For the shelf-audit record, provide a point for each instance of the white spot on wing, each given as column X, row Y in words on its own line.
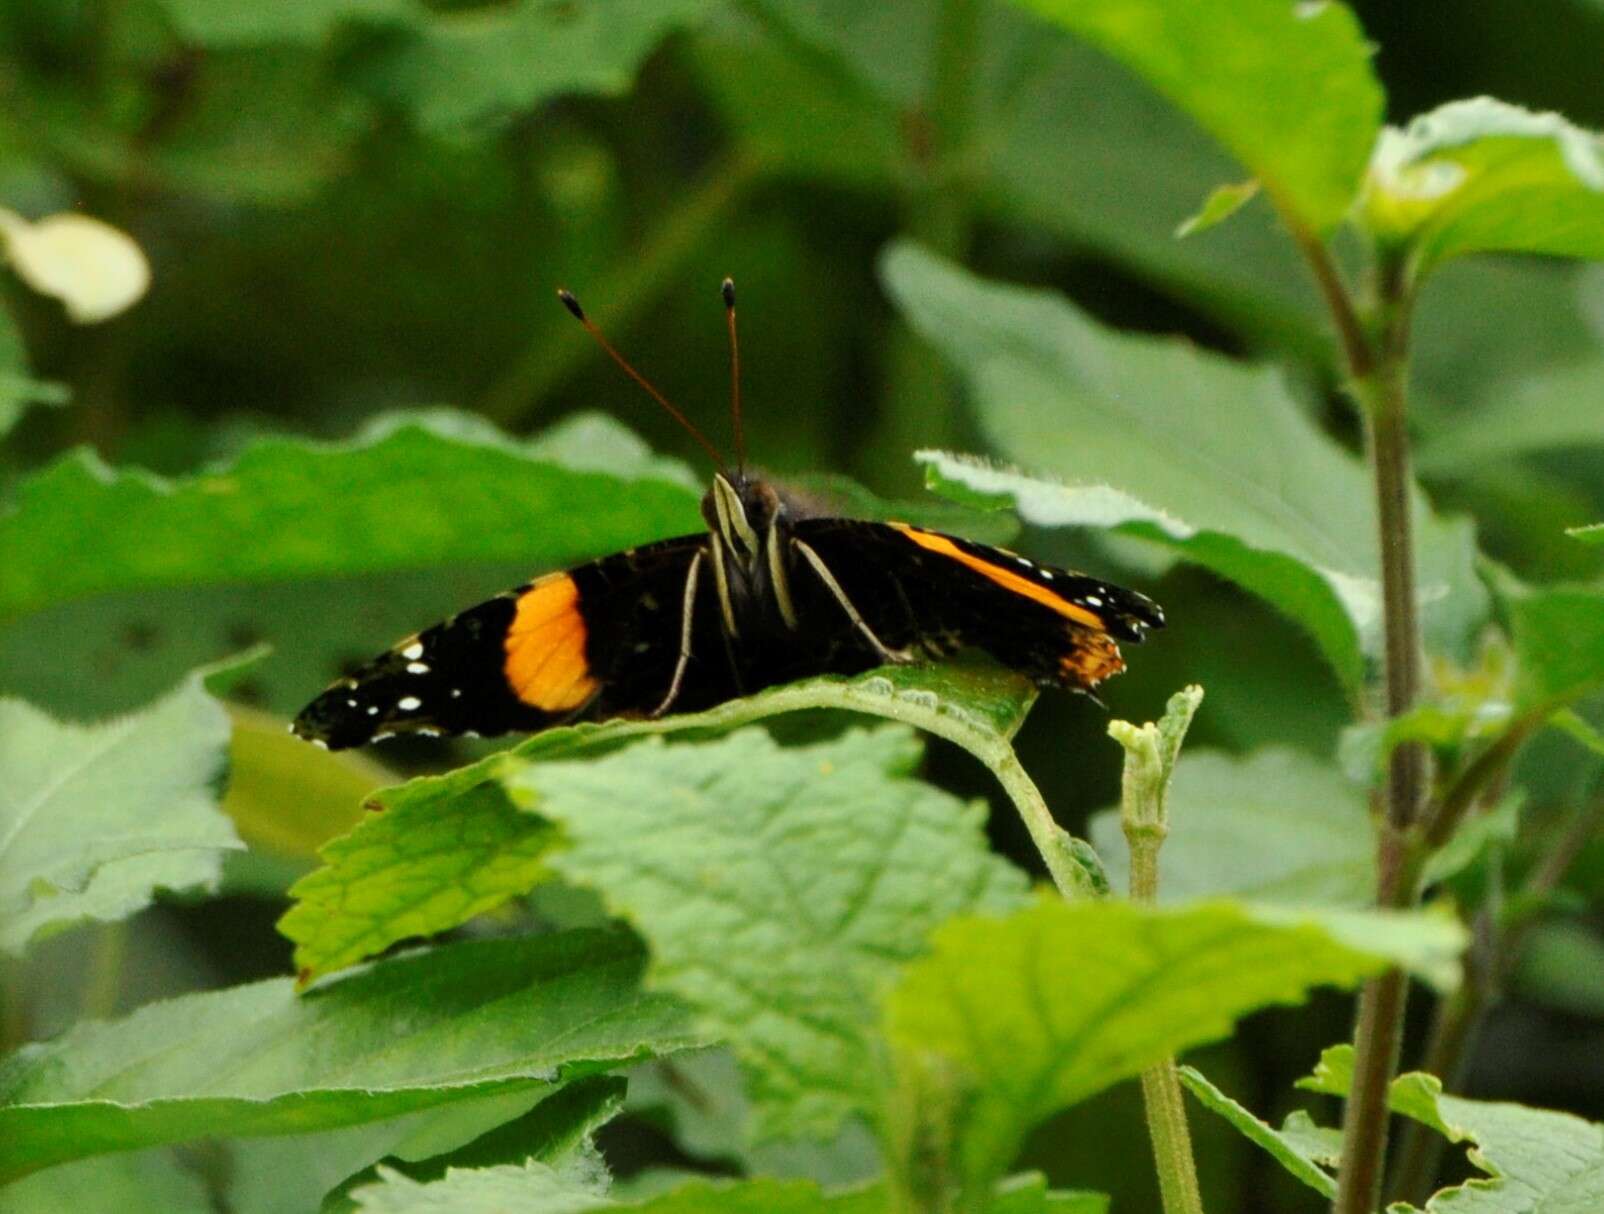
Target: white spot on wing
column 417, row 668
column 1092, row 600
column 409, row 703
column 413, row 651
column 373, row 710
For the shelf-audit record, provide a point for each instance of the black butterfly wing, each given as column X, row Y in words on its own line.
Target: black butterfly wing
column 931, row 593
column 601, row 639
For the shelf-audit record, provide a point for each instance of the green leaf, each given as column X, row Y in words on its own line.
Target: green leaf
column 1562, row 966
column 459, row 72
column 441, row 849
column 539, row 1189
column 1235, row 476
column 1483, row 176
column 701, row 1102
column 531, row 1188
column 556, row 1131
column 1541, row 1162
column 1060, row 139
column 414, row 1032
column 140, row 1182
column 1275, row 825
column 411, row 491
column 94, row 819
column 218, row 24
column 293, row 1173
column 1012, row 1019
column 1224, row 202
column 468, row 72
column 1288, row 89
column 1558, row 633
column 730, row 854
column 288, row 799
column 1552, row 409
column 1295, row 1152
column 418, row 865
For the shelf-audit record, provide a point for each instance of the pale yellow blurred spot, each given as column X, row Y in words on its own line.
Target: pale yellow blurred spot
column 95, row 270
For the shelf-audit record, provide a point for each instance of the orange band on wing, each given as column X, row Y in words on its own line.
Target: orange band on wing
column 546, row 665
column 1006, row 578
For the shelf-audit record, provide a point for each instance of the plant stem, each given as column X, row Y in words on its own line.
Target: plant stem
column 1161, row 1089
column 14, row 1017
column 1377, row 366
column 1069, row 872
column 1487, row 770
column 1150, row 754
column 103, row 978
column 1378, row 1037
column 516, row 395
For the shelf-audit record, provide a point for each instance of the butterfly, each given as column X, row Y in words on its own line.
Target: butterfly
column 773, row 591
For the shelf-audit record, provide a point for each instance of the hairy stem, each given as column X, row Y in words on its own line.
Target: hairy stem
column 1150, row 754
column 1068, row 869
column 1377, row 1041
column 1378, row 368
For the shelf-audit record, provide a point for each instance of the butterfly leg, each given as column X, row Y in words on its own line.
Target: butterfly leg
column 894, row 656
column 688, row 617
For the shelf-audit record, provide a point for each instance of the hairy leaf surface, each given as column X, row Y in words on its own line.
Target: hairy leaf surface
column 777, row 888
column 414, row 1032
column 411, row 491
column 94, row 819
column 441, row 849
column 1011, row 1019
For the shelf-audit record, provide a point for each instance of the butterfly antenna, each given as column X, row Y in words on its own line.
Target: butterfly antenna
column 578, row 312
column 727, row 289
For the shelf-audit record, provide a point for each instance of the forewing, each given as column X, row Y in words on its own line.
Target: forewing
column 924, row 589
column 599, row 639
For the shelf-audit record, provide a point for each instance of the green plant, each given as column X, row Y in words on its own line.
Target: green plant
column 770, row 947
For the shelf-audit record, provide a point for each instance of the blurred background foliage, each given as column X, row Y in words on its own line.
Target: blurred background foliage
column 354, row 206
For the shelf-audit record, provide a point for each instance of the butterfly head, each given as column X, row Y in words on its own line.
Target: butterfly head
column 742, row 511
